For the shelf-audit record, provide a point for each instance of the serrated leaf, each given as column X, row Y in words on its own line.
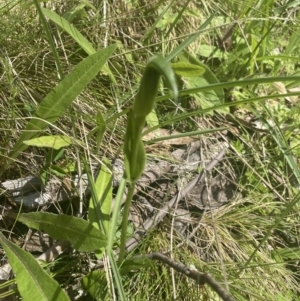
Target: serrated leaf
column 56, row 103
column 83, row 235
column 55, row 141
column 187, row 69
column 33, row 282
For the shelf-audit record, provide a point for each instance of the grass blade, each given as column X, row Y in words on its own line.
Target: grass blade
column 240, row 83
column 103, row 190
column 150, row 31
column 77, row 36
column 70, row 29
column 50, row 39
column 115, row 215
column 186, row 134
column 110, row 254
column 189, row 40
column 178, row 18
column 215, row 107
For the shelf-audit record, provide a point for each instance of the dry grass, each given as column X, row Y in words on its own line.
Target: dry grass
column 222, row 240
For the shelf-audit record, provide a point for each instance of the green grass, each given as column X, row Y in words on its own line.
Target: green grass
column 251, row 244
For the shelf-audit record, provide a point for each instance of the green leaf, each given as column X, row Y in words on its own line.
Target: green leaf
column 54, row 155
column 151, row 30
column 103, row 191
column 101, row 127
column 55, row 141
column 168, row 18
column 57, row 170
column 152, row 119
column 116, row 215
column 206, row 98
column 33, row 282
column 77, row 36
column 96, row 284
column 70, row 29
column 55, row 104
column 208, row 74
column 135, row 264
column 189, row 39
column 68, row 167
column 210, row 51
column 187, row 69
column 83, row 235
column 110, row 253
column 76, row 13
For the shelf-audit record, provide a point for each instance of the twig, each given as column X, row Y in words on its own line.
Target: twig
column 200, row 278
column 52, row 253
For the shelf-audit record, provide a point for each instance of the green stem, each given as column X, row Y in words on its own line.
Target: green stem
column 137, row 124
column 125, row 220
